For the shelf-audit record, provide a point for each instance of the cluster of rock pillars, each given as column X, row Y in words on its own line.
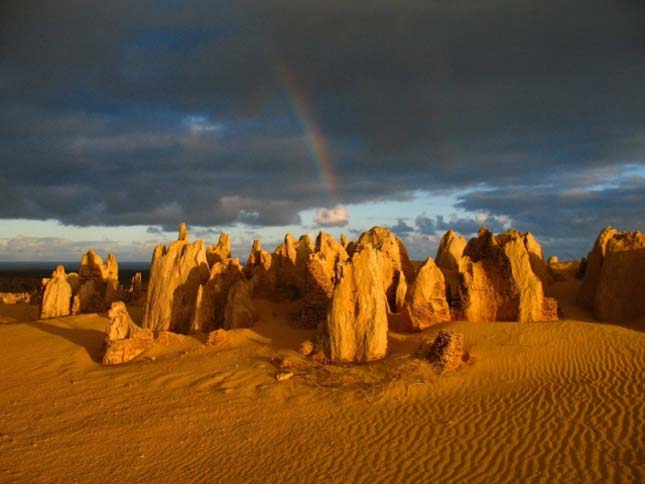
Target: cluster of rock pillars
column 352, row 291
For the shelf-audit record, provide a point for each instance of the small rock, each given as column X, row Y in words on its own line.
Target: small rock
column 217, row 337
column 284, row 375
column 282, row 362
column 306, row 348
column 168, row 338
column 319, row 357
column 124, row 339
column 447, row 352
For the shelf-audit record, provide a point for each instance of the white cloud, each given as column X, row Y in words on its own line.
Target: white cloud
column 332, row 217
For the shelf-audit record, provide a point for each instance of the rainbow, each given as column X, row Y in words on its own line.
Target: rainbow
column 316, row 141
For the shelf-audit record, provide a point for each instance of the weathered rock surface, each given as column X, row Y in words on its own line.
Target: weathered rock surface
column 98, row 283
column 320, row 278
column 92, row 267
column 183, row 232
column 550, row 309
column 401, row 292
column 168, row 338
column 176, row 273
column 425, row 303
column 240, row 311
column 344, row 241
column 57, row 295
column 289, row 266
column 212, row 296
column 76, row 304
column 306, row 348
column 217, row 337
column 357, row 317
column 536, row 257
column 620, row 287
column 124, row 339
column 120, row 325
column 134, row 291
column 451, row 249
column 74, row 280
column 593, row 267
column 219, row 252
column 449, row 254
column 497, row 282
column 258, row 268
column 447, row 352
column 552, row 260
column 395, row 260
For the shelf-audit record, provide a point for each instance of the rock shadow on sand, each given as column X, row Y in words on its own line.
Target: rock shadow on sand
column 90, row 339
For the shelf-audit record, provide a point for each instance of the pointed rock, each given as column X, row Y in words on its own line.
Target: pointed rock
column 536, row 255
column 593, row 267
column 357, row 317
column 124, row 339
column 183, row 232
column 57, row 295
column 289, row 265
column 120, row 325
column 426, row 304
column 212, row 296
column 176, row 272
column 449, row 255
column 258, row 269
column 134, row 291
column 98, row 283
column 395, row 259
column 92, row 267
column 620, row 289
column 401, row 292
column 497, row 282
column 320, row 277
column 344, row 241
column 219, row 252
column 451, row 249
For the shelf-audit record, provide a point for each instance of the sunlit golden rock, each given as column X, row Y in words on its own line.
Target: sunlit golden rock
column 176, row 273
column 57, row 295
column 357, row 317
column 425, row 302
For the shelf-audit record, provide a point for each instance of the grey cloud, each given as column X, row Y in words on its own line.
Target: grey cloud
column 464, row 226
column 566, row 218
column 98, row 101
column 401, row 228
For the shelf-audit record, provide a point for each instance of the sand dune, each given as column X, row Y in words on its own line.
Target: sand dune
column 538, row 402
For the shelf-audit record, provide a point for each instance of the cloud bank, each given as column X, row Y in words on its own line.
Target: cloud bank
column 216, row 112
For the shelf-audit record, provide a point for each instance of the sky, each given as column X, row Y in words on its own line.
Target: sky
column 121, row 119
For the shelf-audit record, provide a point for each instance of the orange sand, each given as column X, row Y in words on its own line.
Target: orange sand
column 539, row 402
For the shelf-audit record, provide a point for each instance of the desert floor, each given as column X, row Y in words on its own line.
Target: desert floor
column 539, row 402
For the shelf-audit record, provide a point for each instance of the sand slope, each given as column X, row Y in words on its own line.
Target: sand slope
column 541, row 402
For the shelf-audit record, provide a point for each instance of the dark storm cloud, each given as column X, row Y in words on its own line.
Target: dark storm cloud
column 401, row 228
column 465, row 226
column 148, row 113
column 570, row 218
column 573, row 210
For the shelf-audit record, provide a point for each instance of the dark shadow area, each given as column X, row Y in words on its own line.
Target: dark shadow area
column 184, row 297
column 90, row 339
